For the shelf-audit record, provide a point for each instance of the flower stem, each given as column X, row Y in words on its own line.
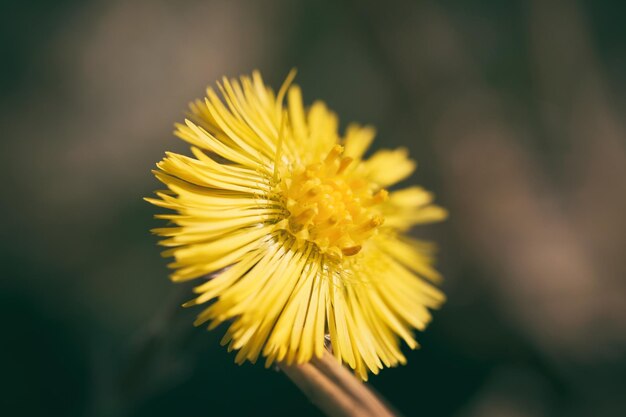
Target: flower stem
column 334, row 390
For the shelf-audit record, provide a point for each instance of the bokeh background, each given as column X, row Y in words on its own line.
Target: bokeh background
column 513, row 109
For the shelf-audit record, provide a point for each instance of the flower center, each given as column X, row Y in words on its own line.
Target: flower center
column 330, row 207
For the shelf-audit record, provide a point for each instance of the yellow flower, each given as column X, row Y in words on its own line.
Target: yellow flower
column 300, row 239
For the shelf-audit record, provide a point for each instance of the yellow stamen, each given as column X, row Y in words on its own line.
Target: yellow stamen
column 329, row 208
column 344, row 163
column 333, row 154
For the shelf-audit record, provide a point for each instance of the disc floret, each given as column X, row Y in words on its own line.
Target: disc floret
column 330, row 206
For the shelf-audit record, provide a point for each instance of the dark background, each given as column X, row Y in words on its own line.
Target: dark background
column 513, row 109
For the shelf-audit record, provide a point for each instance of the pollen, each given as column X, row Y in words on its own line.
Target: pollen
column 332, row 207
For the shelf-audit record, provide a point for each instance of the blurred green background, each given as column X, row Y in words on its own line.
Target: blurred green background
column 513, row 109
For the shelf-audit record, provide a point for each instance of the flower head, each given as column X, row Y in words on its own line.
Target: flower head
column 301, row 239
